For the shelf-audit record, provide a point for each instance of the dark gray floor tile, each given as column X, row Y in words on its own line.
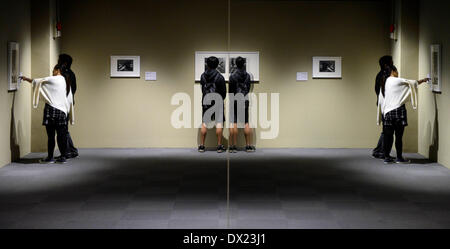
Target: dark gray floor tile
column 105, row 205
column 150, row 205
column 142, row 224
column 262, row 223
column 308, row 214
column 58, row 206
column 146, row 215
column 313, row 224
column 178, row 188
column 190, row 223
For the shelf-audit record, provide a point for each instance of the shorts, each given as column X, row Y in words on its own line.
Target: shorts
column 206, row 120
column 234, row 113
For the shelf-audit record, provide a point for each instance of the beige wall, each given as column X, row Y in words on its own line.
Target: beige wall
column 409, row 64
column 396, row 44
column 44, row 56
column 405, row 55
column 317, row 113
column 434, row 131
column 135, row 113
column 15, row 107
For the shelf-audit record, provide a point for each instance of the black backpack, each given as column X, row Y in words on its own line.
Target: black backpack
column 243, row 87
column 210, row 87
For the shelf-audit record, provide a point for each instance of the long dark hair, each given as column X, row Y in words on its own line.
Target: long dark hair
column 386, row 73
column 65, row 73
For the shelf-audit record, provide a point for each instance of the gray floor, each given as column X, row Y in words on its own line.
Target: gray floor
column 180, row 188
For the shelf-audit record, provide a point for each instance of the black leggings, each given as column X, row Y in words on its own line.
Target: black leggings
column 61, row 130
column 389, row 131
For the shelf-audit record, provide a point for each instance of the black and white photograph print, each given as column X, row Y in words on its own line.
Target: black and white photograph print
column 233, row 66
column 221, row 67
column 327, row 66
column 125, row 65
column 435, row 63
column 227, row 63
column 13, row 66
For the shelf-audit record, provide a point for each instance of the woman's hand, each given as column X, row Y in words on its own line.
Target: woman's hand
column 424, row 80
column 26, row 79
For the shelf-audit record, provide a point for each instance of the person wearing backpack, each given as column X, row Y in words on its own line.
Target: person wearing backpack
column 66, row 61
column 213, row 90
column 385, row 62
column 239, row 87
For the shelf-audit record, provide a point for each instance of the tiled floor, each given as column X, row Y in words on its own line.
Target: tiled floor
column 180, row 188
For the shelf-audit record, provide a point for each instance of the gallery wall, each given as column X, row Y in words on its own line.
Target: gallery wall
column 15, row 107
column 44, row 56
column 115, row 112
column 434, row 117
column 404, row 49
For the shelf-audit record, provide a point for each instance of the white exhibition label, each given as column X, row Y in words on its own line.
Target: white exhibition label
column 150, row 76
column 302, row 76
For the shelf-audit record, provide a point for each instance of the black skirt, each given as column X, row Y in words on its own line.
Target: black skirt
column 53, row 116
column 396, row 117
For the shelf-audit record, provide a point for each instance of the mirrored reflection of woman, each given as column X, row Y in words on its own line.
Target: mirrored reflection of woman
column 395, row 92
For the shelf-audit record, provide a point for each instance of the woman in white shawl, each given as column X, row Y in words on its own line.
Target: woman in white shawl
column 58, row 105
column 395, row 92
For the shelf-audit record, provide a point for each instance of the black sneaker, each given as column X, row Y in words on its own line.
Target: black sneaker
column 231, row 149
column 47, row 161
column 402, row 161
column 72, row 155
column 249, row 148
column 60, row 157
column 378, row 156
column 235, row 149
column 391, row 157
column 201, row 148
column 220, row 149
column 388, row 160
column 61, row 160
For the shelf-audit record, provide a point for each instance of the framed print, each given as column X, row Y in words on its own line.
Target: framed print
column 125, row 67
column 13, row 66
column 436, row 80
column 227, row 63
column 327, row 67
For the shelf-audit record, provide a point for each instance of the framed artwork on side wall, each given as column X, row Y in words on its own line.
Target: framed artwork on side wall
column 436, row 80
column 13, row 66
column 227, row 63
column 327, row 67
column 125, row 66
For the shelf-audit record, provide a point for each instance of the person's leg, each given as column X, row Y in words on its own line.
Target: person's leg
column 248, row 134
column 70, row 146
column 378, row 152
column 233, row 134
column 203, row 132
column 61, row 131
column 236, row 131
column 219, row 132
column 399, row 130
column 388, row 141
column 51, row 131
column 233, row 124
